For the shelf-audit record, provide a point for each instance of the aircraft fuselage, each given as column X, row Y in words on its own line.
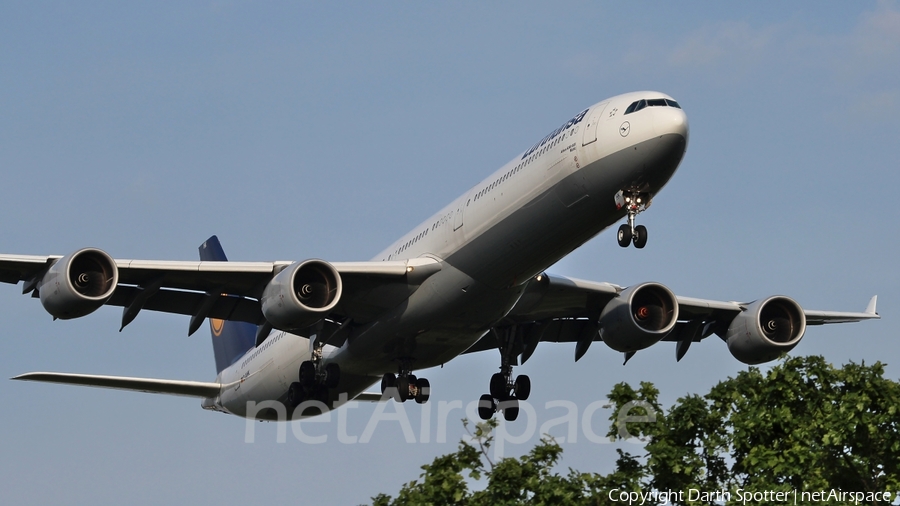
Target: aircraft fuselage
column 491, row 242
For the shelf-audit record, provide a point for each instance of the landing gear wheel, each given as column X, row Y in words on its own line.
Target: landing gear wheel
column 499, row 388
column 510, row 410
column 295, row 394
column 624, row 236
column 640, row 236
column 402, row 388
column 332, row 375
column 388, row 381
column 522, row 387
column 321, row 395
column 424, row 390
column 486, row 407
column 307, row 374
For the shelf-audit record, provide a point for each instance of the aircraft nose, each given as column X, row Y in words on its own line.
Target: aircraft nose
column 670, row 120
column 671, row 128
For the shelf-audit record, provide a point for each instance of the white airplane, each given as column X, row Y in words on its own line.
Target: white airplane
column 304, row 335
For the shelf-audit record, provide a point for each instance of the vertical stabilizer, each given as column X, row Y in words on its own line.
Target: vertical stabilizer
column 230, row 339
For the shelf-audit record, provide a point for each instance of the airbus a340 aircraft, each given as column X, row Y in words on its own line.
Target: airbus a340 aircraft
column 469, row 278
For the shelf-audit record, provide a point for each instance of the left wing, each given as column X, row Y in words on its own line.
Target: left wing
column 561, row 309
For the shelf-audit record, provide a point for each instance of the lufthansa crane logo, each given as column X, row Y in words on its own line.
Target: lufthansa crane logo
column 217, row 326
column 624, row 129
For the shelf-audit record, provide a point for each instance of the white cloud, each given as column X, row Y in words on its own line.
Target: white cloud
column 877, row 35
column 723, row 42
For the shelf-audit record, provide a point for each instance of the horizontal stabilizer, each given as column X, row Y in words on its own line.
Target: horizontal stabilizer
column 149, row 385
column 369, row 397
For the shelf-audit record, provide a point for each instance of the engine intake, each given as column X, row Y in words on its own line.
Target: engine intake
column 639, row 317
column 302, row 294
column 78, row 283
column 766, row 330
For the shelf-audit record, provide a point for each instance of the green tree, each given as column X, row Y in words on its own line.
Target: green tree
column 804, row 425
column 526, row 480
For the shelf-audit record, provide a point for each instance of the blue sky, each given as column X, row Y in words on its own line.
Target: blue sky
column 298, row 130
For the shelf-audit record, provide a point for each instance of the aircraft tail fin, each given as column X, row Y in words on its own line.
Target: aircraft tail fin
column 230, row 339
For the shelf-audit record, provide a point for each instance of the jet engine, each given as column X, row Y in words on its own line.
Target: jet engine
column 765, row 330
column 301, row 294
column 78, row 283
column 639, row 317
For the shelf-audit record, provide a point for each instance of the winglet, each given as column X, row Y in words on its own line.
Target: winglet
column 870, row 309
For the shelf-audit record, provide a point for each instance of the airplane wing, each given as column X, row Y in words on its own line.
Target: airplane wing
column 225, row 290
column 156, row 386
column 562, row 309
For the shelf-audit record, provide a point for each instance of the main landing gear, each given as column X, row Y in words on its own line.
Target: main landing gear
column 405, row 386
column 635, row 203
column 505, row 392
column 315, row 379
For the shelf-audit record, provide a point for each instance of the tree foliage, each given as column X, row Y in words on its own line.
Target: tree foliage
column 803, row 425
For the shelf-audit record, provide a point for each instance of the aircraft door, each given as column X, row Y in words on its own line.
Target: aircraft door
column 590, row 129
column 460, row 211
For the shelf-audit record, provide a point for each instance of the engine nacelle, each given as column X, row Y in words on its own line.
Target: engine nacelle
column 78, row 283
column 639, row 317
column 766, row 329
column 302, row 294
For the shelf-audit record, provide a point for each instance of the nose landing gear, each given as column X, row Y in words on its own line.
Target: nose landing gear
column 634, row 203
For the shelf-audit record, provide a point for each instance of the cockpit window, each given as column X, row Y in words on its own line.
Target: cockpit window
column 653, row 102
column 636, row 106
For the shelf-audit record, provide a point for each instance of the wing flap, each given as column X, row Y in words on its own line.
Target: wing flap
column 148, row 385
column 227, row 307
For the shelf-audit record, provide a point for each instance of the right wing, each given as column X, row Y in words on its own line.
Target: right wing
column 220, row 290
